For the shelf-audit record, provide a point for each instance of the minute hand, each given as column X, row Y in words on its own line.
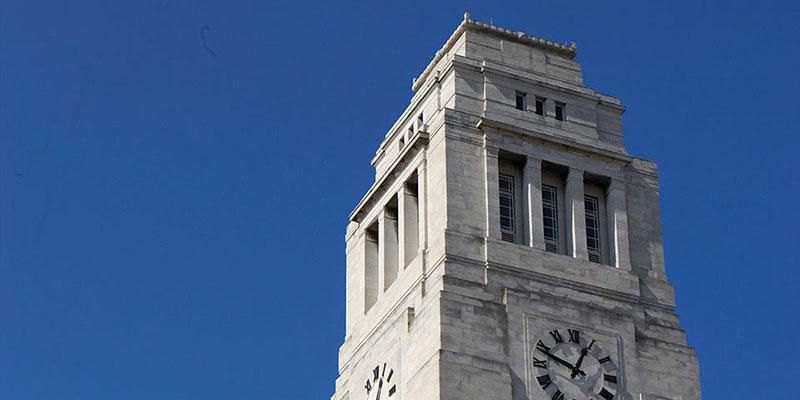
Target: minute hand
column 577, row 369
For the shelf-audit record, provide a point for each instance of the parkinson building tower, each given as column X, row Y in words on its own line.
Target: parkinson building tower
column 510, row 247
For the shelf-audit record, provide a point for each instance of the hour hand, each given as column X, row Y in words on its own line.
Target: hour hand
column 380, row 385
column 559, row 360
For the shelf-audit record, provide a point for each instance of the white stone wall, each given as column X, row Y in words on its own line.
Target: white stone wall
column 460, row 315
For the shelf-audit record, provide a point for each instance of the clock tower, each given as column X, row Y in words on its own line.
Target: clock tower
column 510, row 248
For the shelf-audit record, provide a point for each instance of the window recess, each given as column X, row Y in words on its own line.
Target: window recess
column 521, row 101
column 592, row 211
column 550, row 218
column 560, row 111
column 539, row 106
column 507, row 228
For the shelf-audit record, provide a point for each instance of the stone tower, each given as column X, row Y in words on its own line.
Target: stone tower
column 510, row 247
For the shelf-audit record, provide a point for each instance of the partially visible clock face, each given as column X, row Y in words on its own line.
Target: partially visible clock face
column 379, row 384
column 569, row 365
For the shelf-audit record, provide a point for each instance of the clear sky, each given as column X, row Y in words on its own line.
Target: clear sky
column 172, row 212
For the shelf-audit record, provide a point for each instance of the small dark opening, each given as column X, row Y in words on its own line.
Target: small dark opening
column 560, row 112
column 520, row 101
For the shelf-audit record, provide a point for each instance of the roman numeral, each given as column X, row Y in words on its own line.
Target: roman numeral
column 392, row 390
column 389, row 378
column 376, row 373
column 610, row 378
column 539, row 363
column 556, row 336
column 574, row 336
column 384, row 370
column 544, row 381
column 368, row 386
column 604, row 360
column 558, row 395
column 606, row 394
column 542, row 347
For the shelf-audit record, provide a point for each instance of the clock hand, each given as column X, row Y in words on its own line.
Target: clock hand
column 577, row 369
column 380, row 385
column 559, row 360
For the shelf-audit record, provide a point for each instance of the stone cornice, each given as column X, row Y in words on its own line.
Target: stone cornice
column 485, row 121
column 568, row 51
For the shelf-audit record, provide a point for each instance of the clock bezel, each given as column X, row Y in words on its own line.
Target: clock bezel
column 609, row 343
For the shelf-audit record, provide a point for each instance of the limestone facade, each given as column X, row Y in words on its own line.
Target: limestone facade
column 450, row 285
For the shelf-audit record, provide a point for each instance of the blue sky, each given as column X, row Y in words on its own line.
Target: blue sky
column 172, row 221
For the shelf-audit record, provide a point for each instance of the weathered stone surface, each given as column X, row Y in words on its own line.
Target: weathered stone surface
column 457, row 315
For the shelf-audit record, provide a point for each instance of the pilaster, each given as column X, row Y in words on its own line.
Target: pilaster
column 422, row 204
column 490, row 157
column 616, row 209
column 576, row 215
column 532, row 189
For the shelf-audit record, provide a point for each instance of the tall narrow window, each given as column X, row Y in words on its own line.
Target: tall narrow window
column 592, row 207
column 521, row 101
column 550, row 221
column 420, row 121
column 507, row 228
column 560, row 111
column 539, row 105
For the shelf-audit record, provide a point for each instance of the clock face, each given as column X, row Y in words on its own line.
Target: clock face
column 569, row 365
column 379, row 384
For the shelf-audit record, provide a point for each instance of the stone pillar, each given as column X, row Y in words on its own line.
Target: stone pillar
column 387, row 247
column 616, row 210
column 576, row 215
column 401, row 227
column 371, row 268
column 532, row 191
column 408, row 228
column 492, row 197
column 422, row 204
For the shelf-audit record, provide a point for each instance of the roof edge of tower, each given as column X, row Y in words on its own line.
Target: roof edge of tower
column 564, row 50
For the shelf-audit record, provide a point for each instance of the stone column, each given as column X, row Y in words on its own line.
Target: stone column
column 387, row 247
column 492, row 197
column 576, row 215
column 401, row 227
column 372, row 268
column 616, row 211
column 532, row 191
column 422, row 204
column 408, row 229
